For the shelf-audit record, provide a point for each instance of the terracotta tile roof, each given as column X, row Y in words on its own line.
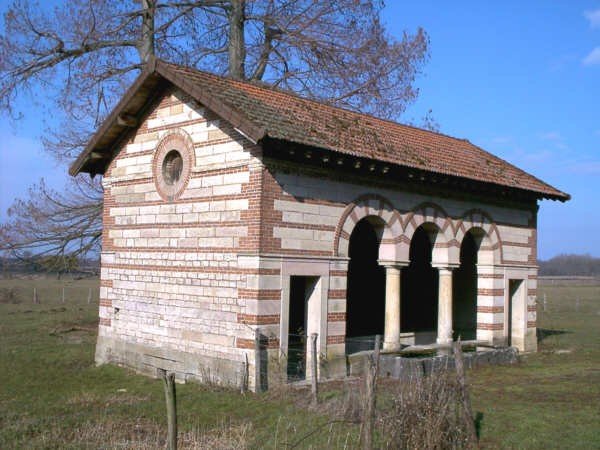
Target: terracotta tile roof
column 262, row 111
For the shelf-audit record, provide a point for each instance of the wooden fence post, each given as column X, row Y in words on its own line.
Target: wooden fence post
column 244, row 377
column 35, row 296
column 257, row 361
column 89, row 299
column 171, row 400
column 544, row 302
column 370, row 388
column 313, row 371
column 63, row 294
column 464, row 394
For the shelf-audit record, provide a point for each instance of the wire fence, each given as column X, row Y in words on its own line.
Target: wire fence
column 365, row 409
column 565, row 303
column 49, row 294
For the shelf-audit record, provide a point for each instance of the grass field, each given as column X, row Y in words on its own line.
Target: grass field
column 52, row 395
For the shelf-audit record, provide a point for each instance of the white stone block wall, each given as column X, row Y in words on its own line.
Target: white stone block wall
column 317, row 216
column 170, row 280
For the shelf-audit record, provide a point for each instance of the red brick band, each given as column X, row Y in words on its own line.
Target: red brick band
column 249, row 343
column 252, row 319
column 491, row 292
column 336, row 317
column 490, row 309
column 260, row 294
column 338, row 273
column 494, row 276
column 490, row 326
column 336, row 294
column 233, row 271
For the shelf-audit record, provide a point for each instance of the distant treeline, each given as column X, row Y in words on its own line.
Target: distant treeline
column 33, row 265
column 581, row 265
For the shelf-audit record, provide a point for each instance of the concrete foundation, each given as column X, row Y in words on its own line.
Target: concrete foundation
column 403, row 368
column 186, row 366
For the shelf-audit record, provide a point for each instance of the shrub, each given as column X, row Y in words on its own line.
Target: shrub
column 10, row 295
column 424, row 413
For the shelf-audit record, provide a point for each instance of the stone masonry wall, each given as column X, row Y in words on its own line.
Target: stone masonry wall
column 313, row 214
column 170, row 279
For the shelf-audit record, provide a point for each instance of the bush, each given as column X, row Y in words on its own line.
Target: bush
column 10, row 295
column 424, row 413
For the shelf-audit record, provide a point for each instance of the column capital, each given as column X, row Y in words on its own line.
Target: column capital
column 393, row 264
column 445, row 267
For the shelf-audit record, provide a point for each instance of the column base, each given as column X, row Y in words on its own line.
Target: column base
column 390, row 347
column 444, row 341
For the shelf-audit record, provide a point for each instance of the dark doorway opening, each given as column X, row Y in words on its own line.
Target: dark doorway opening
column 464, row 291
column 419, row 287
column 301, row 289
column 365, row 308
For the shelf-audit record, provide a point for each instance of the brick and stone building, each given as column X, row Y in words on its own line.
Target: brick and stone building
column 232, row 206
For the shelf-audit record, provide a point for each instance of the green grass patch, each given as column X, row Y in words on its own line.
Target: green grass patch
column 53, row 396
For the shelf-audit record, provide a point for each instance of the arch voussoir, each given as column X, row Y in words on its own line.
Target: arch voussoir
column 366, row 206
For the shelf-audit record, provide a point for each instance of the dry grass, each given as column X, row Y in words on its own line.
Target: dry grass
column 10, row 295
column 142, row 434
column 424, row 413
column 52, row 395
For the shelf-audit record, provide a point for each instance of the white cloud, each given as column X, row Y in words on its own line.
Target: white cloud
column 501, row 140
column 555, row 138
column 592, row 58
column 585, row 168
column 593, row 17
column 551, row 136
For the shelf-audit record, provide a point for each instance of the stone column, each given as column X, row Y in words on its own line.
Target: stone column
column 444, row 333
column 391, row 338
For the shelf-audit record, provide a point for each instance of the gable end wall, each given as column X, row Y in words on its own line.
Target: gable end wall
column 172, row 292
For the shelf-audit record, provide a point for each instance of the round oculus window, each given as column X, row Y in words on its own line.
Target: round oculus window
column 172, row 167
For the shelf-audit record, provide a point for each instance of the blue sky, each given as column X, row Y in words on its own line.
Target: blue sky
column 520, row 79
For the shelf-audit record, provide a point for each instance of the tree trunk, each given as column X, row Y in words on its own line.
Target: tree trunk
column 146, row 47
column 237, row 44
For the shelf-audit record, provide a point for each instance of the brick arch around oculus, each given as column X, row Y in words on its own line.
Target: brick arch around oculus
column 175, row 140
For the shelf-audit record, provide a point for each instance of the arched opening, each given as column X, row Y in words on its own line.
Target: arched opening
column 419, row 287
column 365, row 308
column 464, row 290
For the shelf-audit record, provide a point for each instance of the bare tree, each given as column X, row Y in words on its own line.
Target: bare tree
column 54, row 229
column 76, row 61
